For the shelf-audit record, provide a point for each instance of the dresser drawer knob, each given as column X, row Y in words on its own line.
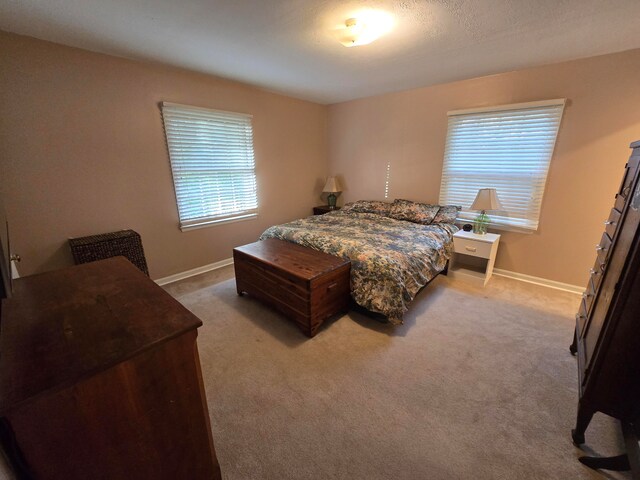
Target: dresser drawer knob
column 579, row 317
column 610, row 222
column 593, row 272
column 600, row 248
column 586, row 295
column 470, row 249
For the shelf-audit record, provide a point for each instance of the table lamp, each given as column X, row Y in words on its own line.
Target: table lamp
column 487, row 199
column 332, row 187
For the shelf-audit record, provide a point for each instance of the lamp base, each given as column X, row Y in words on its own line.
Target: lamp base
column 331, row 199
column 481, row 223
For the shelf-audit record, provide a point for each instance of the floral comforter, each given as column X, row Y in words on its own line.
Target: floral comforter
column 391, row 260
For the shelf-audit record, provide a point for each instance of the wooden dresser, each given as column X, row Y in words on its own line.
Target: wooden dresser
column 100, row 378
column 607, row 335
column 305, row 285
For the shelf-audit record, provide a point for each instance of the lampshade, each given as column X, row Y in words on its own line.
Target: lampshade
column 487, row 199
column 332, row 185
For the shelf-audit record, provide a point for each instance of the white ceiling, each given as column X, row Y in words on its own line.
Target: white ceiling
column 288, row 46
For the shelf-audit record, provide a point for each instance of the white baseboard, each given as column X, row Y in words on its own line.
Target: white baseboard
column 539, row 281
column 496, row 271
column 194, row 271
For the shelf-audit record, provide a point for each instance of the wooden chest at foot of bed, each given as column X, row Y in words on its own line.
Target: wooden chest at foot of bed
column 305, row 285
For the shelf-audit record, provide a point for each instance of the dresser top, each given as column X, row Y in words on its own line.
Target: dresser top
column 63, row 326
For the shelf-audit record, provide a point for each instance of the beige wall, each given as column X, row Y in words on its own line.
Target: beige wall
column 82, row 151
column 408, row 129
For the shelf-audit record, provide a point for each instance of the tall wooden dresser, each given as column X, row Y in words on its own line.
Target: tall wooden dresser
column 100, row 379
column 607, row 335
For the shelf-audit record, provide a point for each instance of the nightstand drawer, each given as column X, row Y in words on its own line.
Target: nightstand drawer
column 472, row 247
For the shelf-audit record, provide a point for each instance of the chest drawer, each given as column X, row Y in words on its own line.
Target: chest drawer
column 596, row 275
column 604, row 247
column 589, row 295
column 611, row 224
column 627, row 179
column 474, row 248
column 620, row 202
column 581, row 316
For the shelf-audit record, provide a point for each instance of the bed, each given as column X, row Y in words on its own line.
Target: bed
column 392, row 257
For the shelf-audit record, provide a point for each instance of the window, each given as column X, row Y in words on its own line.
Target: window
column 507, row 148
column 212, row 163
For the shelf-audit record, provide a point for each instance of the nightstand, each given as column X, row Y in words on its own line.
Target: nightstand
column 321, row 210
column 474, row 256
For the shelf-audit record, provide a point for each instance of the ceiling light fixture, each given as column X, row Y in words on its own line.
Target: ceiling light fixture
column 365, row 28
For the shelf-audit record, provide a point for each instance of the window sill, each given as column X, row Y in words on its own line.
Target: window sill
column 213, row 223
column 500, row 228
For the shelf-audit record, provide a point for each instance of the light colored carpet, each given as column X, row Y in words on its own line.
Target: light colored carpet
column 478, row 384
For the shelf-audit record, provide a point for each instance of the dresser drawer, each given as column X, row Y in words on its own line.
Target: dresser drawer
column 472, row 247
column 604, row 247
column 596, row 275
column 599, row 268
column 627, row 180
column 589, row 295
column 581, row 316
column 611, row 224
column 592, row 286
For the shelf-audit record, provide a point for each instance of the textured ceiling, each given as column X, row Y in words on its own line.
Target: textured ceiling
column 289, row 46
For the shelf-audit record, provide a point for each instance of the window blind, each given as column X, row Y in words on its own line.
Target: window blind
column 212, row 163
column 508, row 148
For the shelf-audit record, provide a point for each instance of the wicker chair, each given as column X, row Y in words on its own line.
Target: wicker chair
column 106, row 245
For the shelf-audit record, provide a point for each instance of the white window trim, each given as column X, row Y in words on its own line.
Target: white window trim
column 559, row 102
column 556, row 102
column 211, row 223
column 496, row 226
column 208, row 221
